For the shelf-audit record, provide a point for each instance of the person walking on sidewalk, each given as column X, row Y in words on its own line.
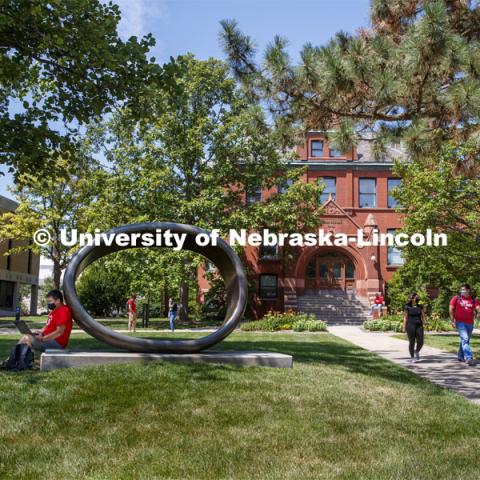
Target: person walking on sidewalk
column 414, row 319
column 462, row 313
column 132, row 313
column 172, row 313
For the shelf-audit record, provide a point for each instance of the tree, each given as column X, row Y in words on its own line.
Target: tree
column 62, row 64
column 413, row 77
column 437, row 196
column 195, row 158
column 53, row 203
column 103, row 286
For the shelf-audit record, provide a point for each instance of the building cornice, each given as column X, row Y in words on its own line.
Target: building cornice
column 348, row 165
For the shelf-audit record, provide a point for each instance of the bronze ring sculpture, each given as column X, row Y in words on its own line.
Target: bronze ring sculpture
column 222, row 255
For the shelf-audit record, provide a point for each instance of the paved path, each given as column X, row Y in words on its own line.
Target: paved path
column 438, row 366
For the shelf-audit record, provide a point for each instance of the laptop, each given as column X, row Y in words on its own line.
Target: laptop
column 23, row 327
column 21, row 324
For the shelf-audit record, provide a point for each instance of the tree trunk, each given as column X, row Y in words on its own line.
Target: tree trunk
column 183, row 303
column 183, row 307
column 57, row 273
column 165, row 301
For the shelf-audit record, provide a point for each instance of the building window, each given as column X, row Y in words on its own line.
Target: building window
column 335, row 153
column 268, row 286
column 349, row 269
column 254, row 196
column 316, row 148
column 285, row 185
column 394, row 254
column 9, row 257
column 330, row 188
column 268, row 251
column 367, row 192
column 391, row 184
column 6, row 294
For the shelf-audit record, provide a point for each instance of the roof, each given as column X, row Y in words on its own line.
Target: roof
column 8, row 204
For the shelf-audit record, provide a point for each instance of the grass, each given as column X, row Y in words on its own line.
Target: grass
column 340, row 413
column 448, row 342
column 155, row 323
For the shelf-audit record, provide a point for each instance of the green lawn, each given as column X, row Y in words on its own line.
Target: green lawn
column 341, row 412
column 448, row 342
column 116, row 323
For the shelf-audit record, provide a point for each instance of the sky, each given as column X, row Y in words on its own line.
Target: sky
column 181, row 26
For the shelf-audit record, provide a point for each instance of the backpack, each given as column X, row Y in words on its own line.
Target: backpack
column 474, row 299
column 21, row 358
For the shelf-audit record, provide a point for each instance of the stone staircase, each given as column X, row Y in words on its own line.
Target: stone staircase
column 335, row 307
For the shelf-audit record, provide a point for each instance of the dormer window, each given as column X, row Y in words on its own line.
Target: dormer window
column 316, row 148
column 335, row 153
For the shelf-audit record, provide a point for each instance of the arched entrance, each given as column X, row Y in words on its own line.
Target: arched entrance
column 329, row 270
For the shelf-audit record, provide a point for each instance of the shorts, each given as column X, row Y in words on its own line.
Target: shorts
column 46, row 345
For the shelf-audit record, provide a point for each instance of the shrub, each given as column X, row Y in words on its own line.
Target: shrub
column 275, row 321
column 393, row 323
column 383, row 325
column 309, row 325
column 437, row 324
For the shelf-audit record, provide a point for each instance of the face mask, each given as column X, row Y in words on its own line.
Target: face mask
column 51, row 306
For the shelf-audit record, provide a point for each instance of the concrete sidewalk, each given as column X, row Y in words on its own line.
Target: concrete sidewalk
column 438, row 366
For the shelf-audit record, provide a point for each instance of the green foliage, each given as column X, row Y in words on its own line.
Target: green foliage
column 63, row 63
column 102, row 287
column 196, row 155
column 309, row 324
column 191, row 159
column 394, row 323
column 439, row 195
column 383, row 325
column 215, row 301
column 438, row 324
column 275, row 321
column 413, row 76
column 54, row 202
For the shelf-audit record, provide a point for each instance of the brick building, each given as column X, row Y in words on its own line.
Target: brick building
column 357, row 196
column 16, row 269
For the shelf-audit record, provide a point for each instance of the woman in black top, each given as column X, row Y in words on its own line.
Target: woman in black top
column 413, row 320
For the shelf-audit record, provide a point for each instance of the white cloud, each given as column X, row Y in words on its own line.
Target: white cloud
column 137, row 14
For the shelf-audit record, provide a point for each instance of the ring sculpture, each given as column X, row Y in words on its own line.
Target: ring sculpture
column 221, row 254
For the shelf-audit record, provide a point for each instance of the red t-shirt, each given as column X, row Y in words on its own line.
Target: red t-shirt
column 133, row 305
column 379, row 300
column 60, row 316
column 464, row 308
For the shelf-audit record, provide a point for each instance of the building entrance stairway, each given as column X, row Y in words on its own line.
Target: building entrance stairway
column 335, row 307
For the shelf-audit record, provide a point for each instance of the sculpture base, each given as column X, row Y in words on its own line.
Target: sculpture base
column 53, row 359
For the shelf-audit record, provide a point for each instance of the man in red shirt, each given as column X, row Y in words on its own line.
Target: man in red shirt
column 56, row 333
column 132, row 313
column 462, row 311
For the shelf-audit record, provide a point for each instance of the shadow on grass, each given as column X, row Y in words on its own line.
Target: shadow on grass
column 305, row 349
column 328, row 350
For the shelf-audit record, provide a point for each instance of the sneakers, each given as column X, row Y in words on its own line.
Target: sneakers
column 417, row 357
column 470, row 362
column 461, row 360
column 411, row 360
